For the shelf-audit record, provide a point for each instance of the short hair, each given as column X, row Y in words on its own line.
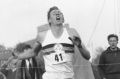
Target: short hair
column 112, row 35
column 22, row 46
column 51, row 9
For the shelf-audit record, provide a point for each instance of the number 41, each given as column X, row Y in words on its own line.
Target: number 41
column 58, row 57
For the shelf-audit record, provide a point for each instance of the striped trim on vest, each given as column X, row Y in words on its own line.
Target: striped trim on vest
column 48, row 49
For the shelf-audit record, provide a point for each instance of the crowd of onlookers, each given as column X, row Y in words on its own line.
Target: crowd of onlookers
column 21, row 69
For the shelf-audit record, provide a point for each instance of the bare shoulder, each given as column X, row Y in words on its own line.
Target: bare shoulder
column 41, row 32
column 42, row 28
column 72, row 31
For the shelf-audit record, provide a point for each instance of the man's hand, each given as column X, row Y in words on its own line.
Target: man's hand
column 76, row 41
column 84, row 52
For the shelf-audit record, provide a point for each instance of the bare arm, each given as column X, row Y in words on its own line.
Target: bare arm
column 73, row 33
column 85, row 53
column 26, row 55
column 30, row 53
column 37, row 46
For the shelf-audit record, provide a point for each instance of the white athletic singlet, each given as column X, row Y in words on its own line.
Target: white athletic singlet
column 58, row 56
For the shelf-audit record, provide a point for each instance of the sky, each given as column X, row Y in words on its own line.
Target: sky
column 93, row 19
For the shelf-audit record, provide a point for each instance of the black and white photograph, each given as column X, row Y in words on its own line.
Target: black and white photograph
column 59, row 39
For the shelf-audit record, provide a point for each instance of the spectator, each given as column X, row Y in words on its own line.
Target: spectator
column 109, row 64
column 28, row 68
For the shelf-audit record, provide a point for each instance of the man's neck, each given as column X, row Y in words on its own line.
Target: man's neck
column 57, row 25
column 113, row 49
column 57, row 30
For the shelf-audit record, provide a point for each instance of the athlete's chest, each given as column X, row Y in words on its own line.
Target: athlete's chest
column 57, row 50
column 50, row 39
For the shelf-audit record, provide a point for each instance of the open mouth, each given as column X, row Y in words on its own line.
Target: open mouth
column 57, row 18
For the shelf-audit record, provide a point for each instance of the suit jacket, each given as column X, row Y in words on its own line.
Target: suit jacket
column 23, row 72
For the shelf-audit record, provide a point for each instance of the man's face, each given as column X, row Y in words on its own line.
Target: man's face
column 113, row 42
column 56, row 17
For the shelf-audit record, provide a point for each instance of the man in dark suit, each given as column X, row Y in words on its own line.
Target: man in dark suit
column 28, row 67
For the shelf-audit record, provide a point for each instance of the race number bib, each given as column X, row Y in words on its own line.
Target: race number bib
column 59, row 56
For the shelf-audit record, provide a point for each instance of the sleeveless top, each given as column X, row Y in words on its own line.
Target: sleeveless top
column 58, row 53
